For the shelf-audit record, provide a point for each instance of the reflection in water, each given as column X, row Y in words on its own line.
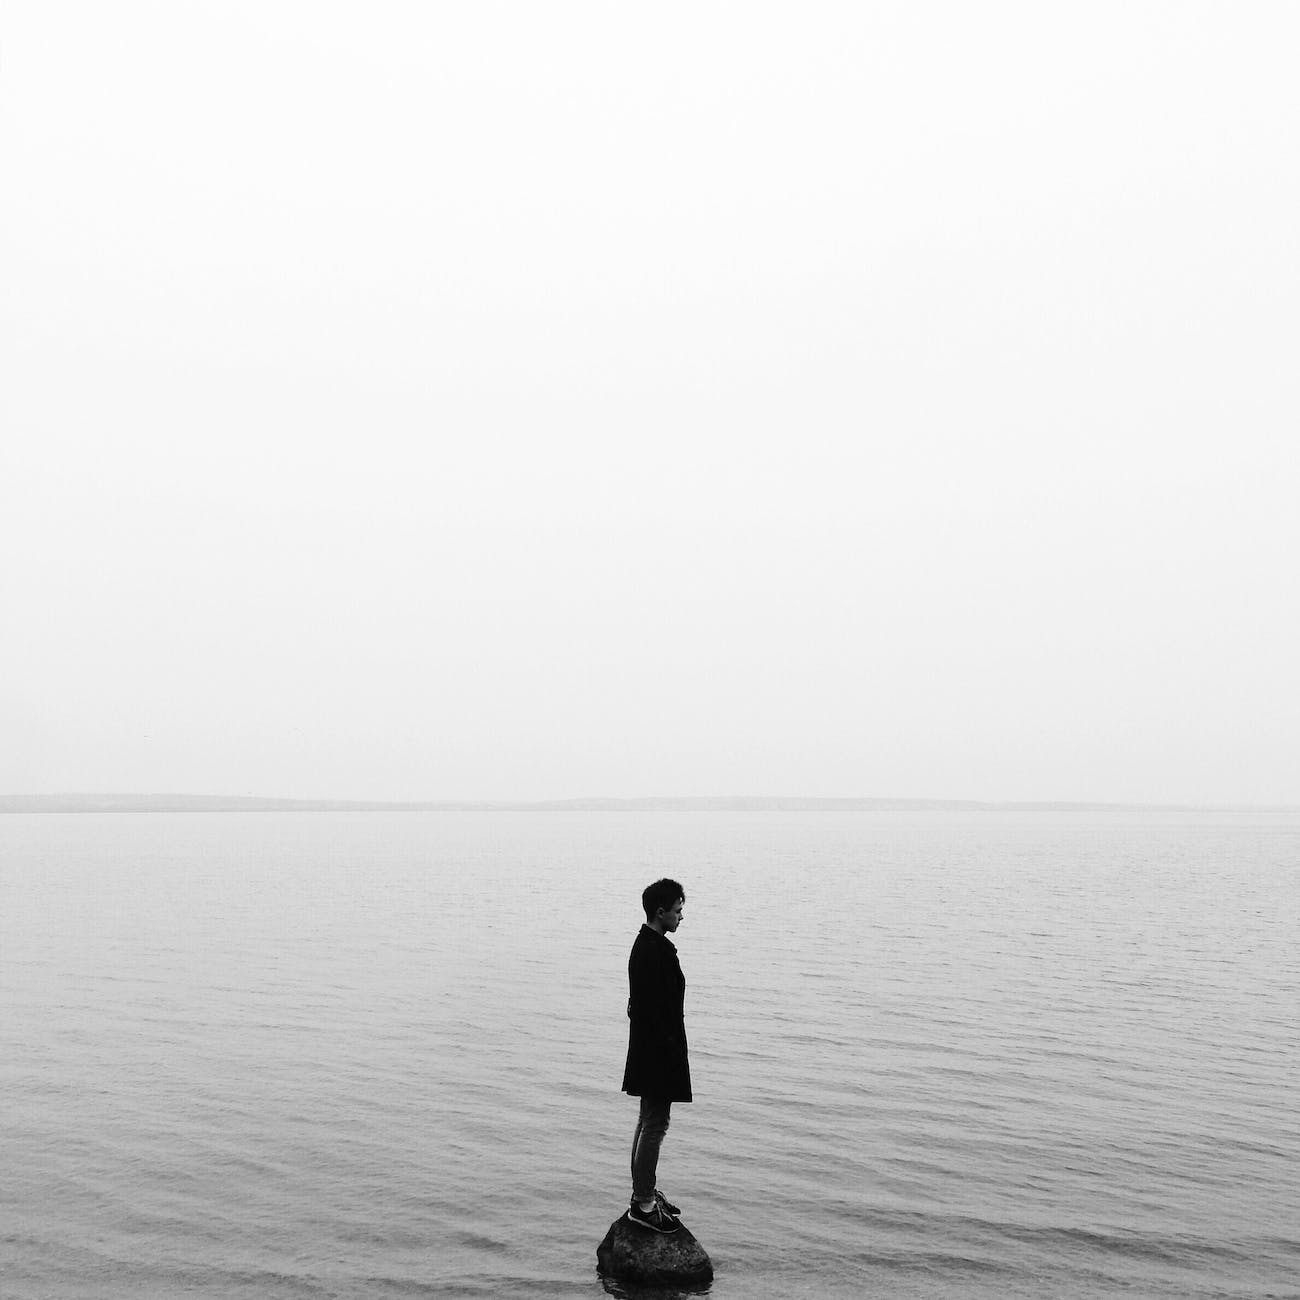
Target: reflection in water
column 632, row 1291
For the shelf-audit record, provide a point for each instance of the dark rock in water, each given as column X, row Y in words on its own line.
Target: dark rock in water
column 653, row 1258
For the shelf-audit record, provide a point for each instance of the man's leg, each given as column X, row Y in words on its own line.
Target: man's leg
column 636, row 1138
column 652, row 1124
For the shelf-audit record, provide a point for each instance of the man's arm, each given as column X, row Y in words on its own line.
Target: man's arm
column 652, row 997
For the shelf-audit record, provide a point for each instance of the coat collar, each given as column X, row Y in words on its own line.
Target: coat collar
column 657, row 937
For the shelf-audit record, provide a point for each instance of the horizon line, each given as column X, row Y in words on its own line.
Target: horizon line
column 86, row 801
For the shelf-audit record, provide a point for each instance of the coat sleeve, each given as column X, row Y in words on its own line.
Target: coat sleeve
column 654, row 998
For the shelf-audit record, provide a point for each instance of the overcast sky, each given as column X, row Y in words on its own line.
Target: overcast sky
column 476, row 400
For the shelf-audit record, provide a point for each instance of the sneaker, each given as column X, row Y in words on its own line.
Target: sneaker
column 655, row 1219
column 666, row 1205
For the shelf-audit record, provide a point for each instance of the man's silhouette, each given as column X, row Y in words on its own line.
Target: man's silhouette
column 657, row 1070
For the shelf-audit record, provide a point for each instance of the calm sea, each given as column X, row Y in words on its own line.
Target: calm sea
column 378, row 1055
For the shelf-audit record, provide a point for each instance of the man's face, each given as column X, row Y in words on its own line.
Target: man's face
column 672, row 916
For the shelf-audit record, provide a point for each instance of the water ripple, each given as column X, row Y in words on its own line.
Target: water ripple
column 337, row 1056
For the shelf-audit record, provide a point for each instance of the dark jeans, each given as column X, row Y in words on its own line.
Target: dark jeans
column 651, row 1126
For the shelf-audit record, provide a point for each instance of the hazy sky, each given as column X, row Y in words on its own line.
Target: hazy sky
column 475, row 400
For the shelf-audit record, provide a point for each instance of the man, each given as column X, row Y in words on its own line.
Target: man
column 657, row 1071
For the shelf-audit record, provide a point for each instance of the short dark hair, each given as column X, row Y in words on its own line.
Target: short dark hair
column 663, row 893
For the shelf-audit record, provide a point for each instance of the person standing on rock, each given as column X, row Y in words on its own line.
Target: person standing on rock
column 657, row 1070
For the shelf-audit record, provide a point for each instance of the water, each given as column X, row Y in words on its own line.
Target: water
column 373, row 1055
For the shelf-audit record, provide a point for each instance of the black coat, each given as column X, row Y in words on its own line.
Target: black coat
column 657, row 1064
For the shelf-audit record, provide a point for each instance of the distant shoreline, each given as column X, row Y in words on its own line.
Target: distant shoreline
column 172, row 803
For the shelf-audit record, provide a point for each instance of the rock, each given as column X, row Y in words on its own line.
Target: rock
column 653, row 1258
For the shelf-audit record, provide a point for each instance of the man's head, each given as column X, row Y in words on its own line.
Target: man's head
column 663, row 902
